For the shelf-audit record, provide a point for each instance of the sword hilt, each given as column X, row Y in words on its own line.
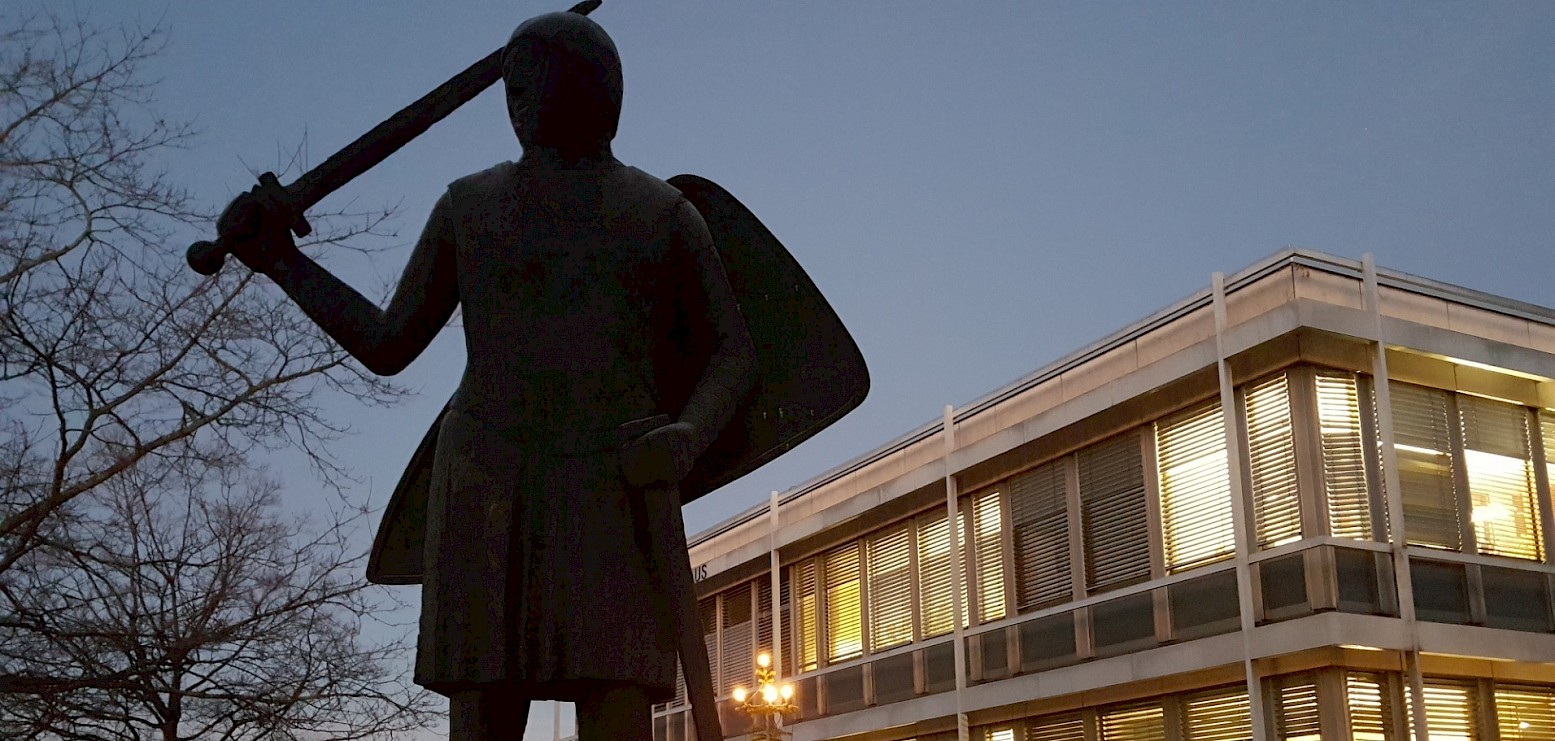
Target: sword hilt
column 270, row 200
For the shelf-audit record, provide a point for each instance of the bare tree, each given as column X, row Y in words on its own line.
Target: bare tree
column 112, row 352
column 191, row 608
column 146, row 589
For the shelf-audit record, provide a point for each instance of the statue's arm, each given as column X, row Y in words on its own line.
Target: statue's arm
column 384, row 340
column 732, row 369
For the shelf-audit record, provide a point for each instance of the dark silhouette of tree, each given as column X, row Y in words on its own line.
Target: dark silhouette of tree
column 149, row 587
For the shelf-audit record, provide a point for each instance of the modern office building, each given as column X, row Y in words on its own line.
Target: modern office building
column 1311, row 501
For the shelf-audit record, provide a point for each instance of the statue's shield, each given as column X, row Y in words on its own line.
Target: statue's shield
column 809, row 374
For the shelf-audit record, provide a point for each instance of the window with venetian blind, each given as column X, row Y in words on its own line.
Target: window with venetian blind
column 936, row 603
column 988, row 552
column 1297, row 716
column 890, row 587
column 1221, row 715
column 1196, row 517
column 1039, row 523
column 1369, row 700
column 708, row 609
column 1060, row 728
column 1344, row 455
column 1115, row 531
column 844, row 614
column 1271, row 454
column 737, row 638
column 1525, row 713
column 1498, row 458
column 1422, row 439
column 1133, row 723
column 1452, row 710
column 804, row 632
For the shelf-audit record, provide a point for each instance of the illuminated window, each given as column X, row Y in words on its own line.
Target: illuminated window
column 1344, row 457
column 1498, row 460
column 1040, row 531
column 1298, row 718
column 1112, row 510
column 844, row 627
column 1370, row 702
column 1271, row 448
column 890, row 587
column 1450, row 711
column 999, row 733
column 1224, row 715
column 1525, row 713
column 988, row 545
column 1133, row 723
column 736, row 639
column 806, row 630
column 936, row 602
column 1061, row 728
column 1195, row 487
column 1422, row 438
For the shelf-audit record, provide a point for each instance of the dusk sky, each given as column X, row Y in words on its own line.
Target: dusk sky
column 977, row 188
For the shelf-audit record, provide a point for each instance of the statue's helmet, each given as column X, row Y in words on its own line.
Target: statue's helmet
column 563, row 80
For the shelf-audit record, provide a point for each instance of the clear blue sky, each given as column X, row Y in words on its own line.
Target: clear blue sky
column 979, row 188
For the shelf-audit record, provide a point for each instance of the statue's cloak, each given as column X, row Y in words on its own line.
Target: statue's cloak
column 809, row 373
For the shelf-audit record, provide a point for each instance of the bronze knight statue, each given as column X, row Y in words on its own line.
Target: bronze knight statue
column 612, row 375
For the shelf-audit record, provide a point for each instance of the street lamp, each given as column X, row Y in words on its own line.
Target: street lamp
column 768, row 703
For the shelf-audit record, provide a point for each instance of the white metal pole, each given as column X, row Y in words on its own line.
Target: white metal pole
column 1398, row 545
column 1244, row 575
column 957, row 574
column 777, row 594
column 556, row 720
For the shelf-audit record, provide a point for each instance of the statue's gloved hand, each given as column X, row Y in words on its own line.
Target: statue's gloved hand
column 661, row 456
column 255, row 234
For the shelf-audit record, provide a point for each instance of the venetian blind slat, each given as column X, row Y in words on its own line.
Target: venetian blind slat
column 1040, row 532
column 708, row 608
column 1423, row 440
column 1344, row 455
column 988, row 546
column 1225, row 715
column 1499, row 463
column 1271, row 448
column 1195, row 487
column 1112, row 510
column 844, row 626
column 890, row 587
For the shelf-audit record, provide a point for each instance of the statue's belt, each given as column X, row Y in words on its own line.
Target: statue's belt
column 570, row 442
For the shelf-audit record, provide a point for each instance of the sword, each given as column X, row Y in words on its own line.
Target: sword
column 288, row 203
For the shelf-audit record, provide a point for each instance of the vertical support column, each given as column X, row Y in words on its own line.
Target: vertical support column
column 957, row 573
column 1240, row 521
column 556, row 720
column 1397, row 540
column 777, row 595
column 777, row 588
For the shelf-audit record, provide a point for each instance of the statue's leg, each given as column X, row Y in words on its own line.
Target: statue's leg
column 620, row 713
column 486, row 715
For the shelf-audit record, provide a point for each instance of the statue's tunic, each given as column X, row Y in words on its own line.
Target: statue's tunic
column 572, row 280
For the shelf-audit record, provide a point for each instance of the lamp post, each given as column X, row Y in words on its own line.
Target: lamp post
column 768, row 703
